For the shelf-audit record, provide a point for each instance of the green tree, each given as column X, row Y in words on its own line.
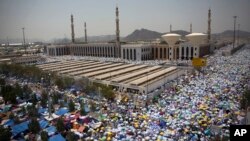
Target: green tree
column 68, row 81
column 2, row 82
column 44, row 136
column 44, row 99
column 16, row 119
column 71, row 105
column 5, row 133
column 92, row 106
column 90, row 89
column 34, row 126
column 8, row 93
column 27, row 91
column 11, row 116
column 108, row 93
column 60, row 125
column 245, row 101
column 18, row 90
column 65, row 98
column 32, row 111
column 71, row 136
column 61, row 103
column 23, row 110
column 81, row 83
column 82, row 109
column 34, row 99
column 59, row 82
column 55, row 98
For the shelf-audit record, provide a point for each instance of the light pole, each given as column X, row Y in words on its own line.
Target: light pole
column 238, row 35
column 235, row 17
column 147, row 88
column 99, row 93
column 49, row 102
column 165, row 78
column 24, row 40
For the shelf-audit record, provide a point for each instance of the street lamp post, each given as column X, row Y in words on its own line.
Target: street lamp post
column 235, row 17
column 49, row 103
column 147, row 85
column 238, row 35
column 49, row 100
column 99, row 93
column 24, row 39
column 165, row 78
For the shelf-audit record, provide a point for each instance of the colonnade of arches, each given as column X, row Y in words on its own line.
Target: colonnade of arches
column 169, row 53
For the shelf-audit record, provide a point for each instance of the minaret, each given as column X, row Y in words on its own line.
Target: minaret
column 118, row 45
column 85, row 30
column 170, row 28
column 209, row 26
column 72, row 29
column 191, row 28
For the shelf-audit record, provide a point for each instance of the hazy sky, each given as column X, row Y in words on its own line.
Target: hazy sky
column 47, row 19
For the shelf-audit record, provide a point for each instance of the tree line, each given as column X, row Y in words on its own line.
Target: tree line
column 35, row 74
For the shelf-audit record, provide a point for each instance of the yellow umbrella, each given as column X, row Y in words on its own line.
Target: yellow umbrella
column 237, row 113
column 186, row 130
column 109, row 139
column 109, row 133
column 215, row 109
column 204, row 125
column 136, row 125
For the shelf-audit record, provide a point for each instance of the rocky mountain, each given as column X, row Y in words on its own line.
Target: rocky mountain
column 148, row 35
column 230, row 33
column 142, row 34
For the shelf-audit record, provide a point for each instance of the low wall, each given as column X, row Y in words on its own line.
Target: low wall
column 232, row 51
column 236, row 49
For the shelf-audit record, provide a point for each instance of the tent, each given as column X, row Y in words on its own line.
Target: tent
column 42, row 110
column 43, row 123
column 163, row 124
column 96, row 125
column 86, row 108
column 57, row 137
column 53, row 116
column 51, row 130
column 19, row 128
column 6, row 108
column 9, row 122
column 61, row 111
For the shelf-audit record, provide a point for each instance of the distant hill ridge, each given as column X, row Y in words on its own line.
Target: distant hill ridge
column 229, row 33
column 137, row 35
column 146, row 35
